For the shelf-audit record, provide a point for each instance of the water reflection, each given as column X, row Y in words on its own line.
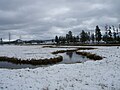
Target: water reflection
column 70, row 54
column 72, row 57
column 10, row 65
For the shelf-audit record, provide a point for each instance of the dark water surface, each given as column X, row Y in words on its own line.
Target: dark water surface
column 10, row 65
column 72, row 57
column 68, row 58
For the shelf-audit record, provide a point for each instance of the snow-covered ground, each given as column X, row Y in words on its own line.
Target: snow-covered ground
column 91, row 75
column 28, row 52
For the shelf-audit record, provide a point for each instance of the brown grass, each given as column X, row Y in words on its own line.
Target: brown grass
column 63, row 51
column 32, row 61
column 90, row 55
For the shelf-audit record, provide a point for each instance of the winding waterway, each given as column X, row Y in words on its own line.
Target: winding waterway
column 68, row 58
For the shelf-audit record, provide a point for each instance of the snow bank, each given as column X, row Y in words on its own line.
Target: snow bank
column 91, row 75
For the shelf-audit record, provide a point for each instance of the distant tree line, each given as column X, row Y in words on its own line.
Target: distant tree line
column 111, row 35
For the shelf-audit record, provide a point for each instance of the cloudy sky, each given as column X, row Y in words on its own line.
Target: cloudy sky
column 43, row 19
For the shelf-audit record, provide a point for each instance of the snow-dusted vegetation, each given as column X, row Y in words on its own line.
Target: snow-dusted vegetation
column 90, row 75
column 28, row 52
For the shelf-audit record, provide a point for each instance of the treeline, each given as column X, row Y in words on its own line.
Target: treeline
column 111, row 36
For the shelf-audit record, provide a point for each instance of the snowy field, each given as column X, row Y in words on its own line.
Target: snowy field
column 28, row 52
column 91, row 75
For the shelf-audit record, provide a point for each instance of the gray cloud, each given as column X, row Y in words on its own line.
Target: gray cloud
column 43, row 19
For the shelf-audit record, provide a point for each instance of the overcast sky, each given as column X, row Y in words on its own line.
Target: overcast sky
column 43, row 19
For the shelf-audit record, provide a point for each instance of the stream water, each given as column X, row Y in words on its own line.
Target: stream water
column 72, row 57
column 68, row 58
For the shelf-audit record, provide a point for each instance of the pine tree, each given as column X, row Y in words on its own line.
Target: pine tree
column 114, row 34
column 77, row 38
column 67, row 38
column 98, row 34
column 56, row 39
column 92, row 38
column 118, row 39
column 110, row 34
column 88, row 36
column 83, row 36
column 70, row 36
column 105, row 38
